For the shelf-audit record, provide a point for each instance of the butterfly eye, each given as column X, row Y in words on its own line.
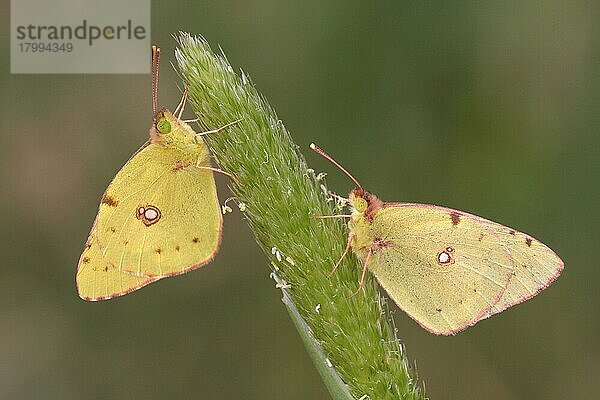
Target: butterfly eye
column 360, row 204
column 163, row 126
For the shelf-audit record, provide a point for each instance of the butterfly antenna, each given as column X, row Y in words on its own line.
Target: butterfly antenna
column 155, row 71
column 318, row 150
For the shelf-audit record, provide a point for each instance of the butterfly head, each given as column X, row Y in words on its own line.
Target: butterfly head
column 364, row 203
column 169, row 130
column 358, row 200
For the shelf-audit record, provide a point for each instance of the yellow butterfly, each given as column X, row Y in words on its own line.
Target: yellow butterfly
column 446, row 269
column 160, row 216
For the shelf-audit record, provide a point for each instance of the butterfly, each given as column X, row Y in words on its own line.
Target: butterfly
column 160, row 216
column 447, row 269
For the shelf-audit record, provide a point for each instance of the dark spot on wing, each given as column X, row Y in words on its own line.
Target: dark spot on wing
column 109, row 200
column 112, row 229
column 180, row 165
column 125, row 242
column 460, row 301
column 455, row 217
column 528, row 241
column 177, row 247
column 438, row 309
column 106, row 267
column 158, row 250
column 481, row 235
column 475, row 290
column 195, row 240
column 380, row 243
column 85, row 260
column 512, row 232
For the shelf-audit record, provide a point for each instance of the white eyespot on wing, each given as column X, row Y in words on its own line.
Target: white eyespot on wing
column 443, row 258
column 148, row 214
column 151, row 214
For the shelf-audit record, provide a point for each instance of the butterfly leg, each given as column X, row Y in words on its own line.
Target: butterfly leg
column 222, row 172
column 337, row 264
column 364, row 272
column 181, row 106
column 219, row 129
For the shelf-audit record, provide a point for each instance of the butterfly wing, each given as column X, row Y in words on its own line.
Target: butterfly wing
column 160, row 216
column 98, row 279
column 448, row 269
column 536, row 267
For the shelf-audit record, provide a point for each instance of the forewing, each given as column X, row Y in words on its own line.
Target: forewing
column 536, row 267
column 98, row 279
column 489, row 267
column 160, row 216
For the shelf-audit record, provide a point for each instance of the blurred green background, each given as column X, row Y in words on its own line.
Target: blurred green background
column 489, row 108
